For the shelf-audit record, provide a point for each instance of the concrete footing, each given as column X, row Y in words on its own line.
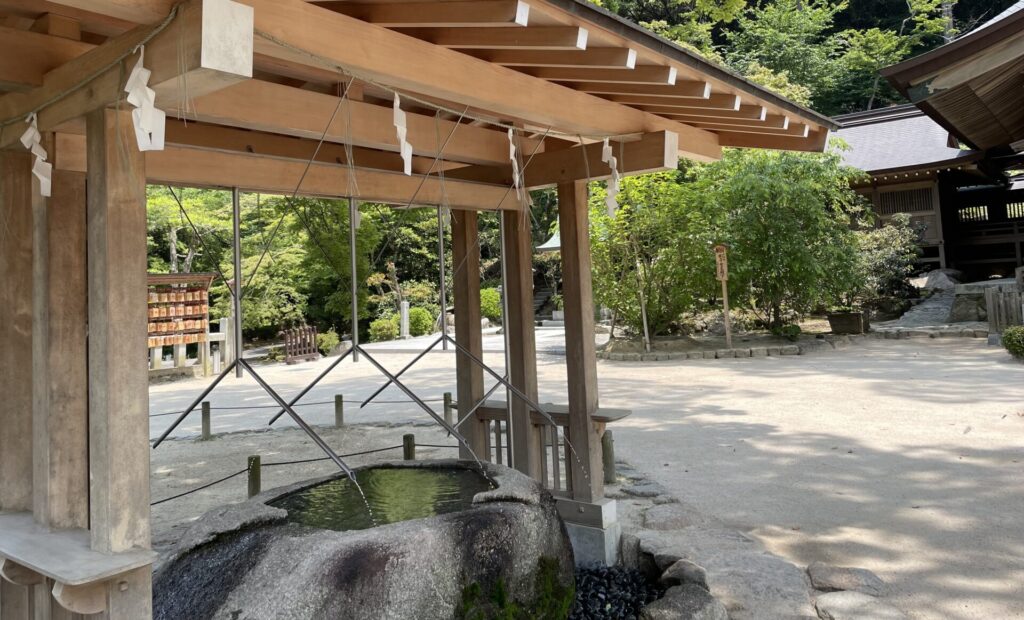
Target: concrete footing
column 594, row 530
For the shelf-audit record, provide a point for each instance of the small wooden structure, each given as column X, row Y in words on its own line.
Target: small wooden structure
column 178, row 315
column 297, row 97
column 300, row 345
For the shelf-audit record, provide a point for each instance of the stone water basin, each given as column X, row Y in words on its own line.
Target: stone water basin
column 439, row 529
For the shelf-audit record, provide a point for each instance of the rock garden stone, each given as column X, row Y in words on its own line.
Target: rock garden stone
column 759, row 352
column 790, row 349
column 688, row 602
column 724, row 353
column 644, row 489
column 741, row 352
column 684, row 572
column 708, row 355
column 830, row 578
column 855, row 606
column 774, row 350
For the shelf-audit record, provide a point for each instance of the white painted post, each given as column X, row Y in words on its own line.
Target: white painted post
column 403, row 315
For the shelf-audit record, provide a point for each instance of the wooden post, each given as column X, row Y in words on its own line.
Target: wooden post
column 722, row 273
column 409, row 447
column 468, row 333
column 448, row 408
column 527, row 449
column 16, row 333
column 339, row 410
column 255, row 474
column 608, row 456
column 59, row 357
column 206, row 421
column 581, row 358
column 118, row 381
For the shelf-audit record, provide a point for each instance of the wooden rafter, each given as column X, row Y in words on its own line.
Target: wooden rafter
column 537, row 38
column 475, row 13
column 646, row 74
column 592, row 58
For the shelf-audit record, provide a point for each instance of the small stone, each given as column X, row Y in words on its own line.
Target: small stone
column 741, row 352
column 631, row 357
column 618, row 357
column 665, row 499
column 774, row 350
column 648, row 357
column 688, row 602
column 708, row 355
column 790, row 349
column 949, row 333
column 683, row 572
column 644, row 489
column 855, row 606
column 724, row 353
column 830, row 578
column 759, row 352
column 981, row 333
column 665, row 560
column 918, row 333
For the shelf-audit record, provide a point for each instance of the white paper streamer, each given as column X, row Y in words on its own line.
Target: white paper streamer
column 608, row 157
column 149, row 121
column 42, row 169
column 404, row 148
column 446, row 217
column 517, row 180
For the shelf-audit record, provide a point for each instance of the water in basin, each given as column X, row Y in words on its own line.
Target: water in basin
column 393, row 495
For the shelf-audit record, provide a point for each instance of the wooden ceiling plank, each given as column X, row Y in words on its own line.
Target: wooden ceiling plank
column 645, row 74
column 653, row 152
column 537, row 38
column 773, row 121
column 799, row 130
column 750, row 112
column 26, row 56
column 387, row 57
column 205, row 49
column 457, row 14
column 592, row 58
column 681, row 89
column 715, row 101
column 814, row 142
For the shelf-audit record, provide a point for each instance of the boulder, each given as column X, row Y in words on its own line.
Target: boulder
column 684, row 572
column 829, row 578
column 942, row 279
column 249, row 560
column 855, row 606
column 968, row 308
column 686, row 602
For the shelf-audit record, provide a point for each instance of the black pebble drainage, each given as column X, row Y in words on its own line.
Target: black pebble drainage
column 612, row 592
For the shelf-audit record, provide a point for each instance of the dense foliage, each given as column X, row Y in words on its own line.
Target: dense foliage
column 1013, row 340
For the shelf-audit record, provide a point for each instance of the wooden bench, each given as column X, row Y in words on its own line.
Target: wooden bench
column 496, row 410
column 29, row 553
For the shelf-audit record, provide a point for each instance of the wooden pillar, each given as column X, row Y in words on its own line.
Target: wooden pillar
column 581, row 359
column 527, row 449
column 16, row 330
column 118, row 381
column 468, row 332
column 59, row 375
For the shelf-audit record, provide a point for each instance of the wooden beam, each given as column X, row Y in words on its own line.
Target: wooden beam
column 714, row 102
column 651, row 153
column 646, row 74
column 25, row 56
column 474, row 13
column 770, row 121
column 536, row 38
column 16, row 237
column 416, row 66
column 527, row 446
column 798, row 130
column 592, row 58
column 681, row 89
column 749, row 112
column 814, row 142
column 137, row 11
column 190, row 167
column 581, row 360
column 469, row 376
column 207, row 48
column 275, row 108
column 58, row 26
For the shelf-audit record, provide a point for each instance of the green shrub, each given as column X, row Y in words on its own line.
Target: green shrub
column 420, row 322
column 1013, row 340
column 326, row 341
column 490, row 304
column 789, row 332
column 384, row 328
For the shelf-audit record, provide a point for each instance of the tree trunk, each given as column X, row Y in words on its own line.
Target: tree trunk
column 172, row 243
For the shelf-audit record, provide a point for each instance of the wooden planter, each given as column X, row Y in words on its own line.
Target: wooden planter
column 848, row 322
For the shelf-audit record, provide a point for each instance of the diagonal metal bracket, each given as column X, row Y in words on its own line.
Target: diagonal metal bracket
column 195, row 403
column 402, row 371
column 309, row 387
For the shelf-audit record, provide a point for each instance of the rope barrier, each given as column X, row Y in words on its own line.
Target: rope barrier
column 319, row 402
column 275, row 464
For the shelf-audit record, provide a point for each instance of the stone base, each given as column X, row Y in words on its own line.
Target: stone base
column 594, row 530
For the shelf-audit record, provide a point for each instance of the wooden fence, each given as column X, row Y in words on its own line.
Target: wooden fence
column 1005, row 304
column 300, row 345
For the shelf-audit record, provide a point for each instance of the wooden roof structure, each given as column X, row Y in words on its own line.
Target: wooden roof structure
column 972, row 86
column 255, row 86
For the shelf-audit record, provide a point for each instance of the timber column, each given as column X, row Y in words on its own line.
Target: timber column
column 118, row 381
column 591, row 518
column 16, row 183
column 527, row 449
column 468, row 331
